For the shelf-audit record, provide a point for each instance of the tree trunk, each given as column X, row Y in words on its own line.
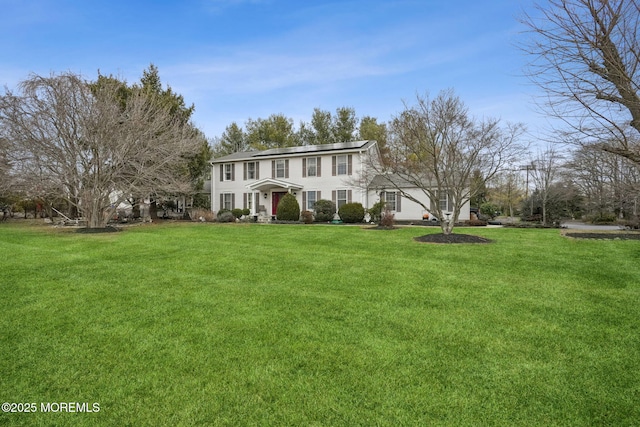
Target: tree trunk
column 153, row 209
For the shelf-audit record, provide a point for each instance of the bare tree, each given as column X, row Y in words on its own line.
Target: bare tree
column 506, row 191
column 544, row 175
column 610, row 184
column 436, row 147
column 586, row 57
column 91, row 146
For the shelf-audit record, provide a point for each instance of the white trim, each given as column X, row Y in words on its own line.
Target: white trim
column 268, row 183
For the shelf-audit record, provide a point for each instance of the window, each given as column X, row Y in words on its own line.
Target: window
column 341, row 165
column 341, row 198
column 445, row 202
column 312, row 166
column 248, row 201
column 226, row 201
column 311, row 199
column 390, row 200
column 280, row 168
column 228, row 172
column 250, row 170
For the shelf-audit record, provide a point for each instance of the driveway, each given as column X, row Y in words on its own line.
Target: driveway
column 577, row 225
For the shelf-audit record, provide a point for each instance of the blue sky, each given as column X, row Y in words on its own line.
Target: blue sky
column 240, row 59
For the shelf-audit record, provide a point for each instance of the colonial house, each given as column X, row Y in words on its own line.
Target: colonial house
column 257, row 180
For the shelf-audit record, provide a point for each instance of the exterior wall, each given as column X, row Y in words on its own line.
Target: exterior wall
column 410, row 210
column 326, row 183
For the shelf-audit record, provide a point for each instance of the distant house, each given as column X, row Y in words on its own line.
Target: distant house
column 257, row 180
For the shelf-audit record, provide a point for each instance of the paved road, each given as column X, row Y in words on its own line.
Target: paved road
column 576, row 225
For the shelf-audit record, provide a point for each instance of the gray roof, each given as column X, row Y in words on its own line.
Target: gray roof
column 391, row 181
column 298, row 150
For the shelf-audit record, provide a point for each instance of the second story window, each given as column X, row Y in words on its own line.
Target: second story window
column 312, row 166
column 280, row 168
column 251, row 170
column 227, row 172
column 341, row 165
column 341, row 162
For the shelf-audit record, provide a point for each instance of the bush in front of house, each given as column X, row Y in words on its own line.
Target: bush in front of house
column 288, row 208
column 375, row 211
column 225, row 215
column 202, row 215
column 237, row 212
column 324, row 210
column 306, row 217
column 351, row 212
column 388, row 219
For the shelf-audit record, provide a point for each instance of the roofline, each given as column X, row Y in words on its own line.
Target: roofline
column 255, row 155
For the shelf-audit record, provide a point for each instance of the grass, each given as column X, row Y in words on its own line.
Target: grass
column 201, row 324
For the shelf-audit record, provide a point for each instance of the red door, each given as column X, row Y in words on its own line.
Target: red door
column 275, row 199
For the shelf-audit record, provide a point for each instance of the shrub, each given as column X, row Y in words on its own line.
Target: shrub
column 351, row 212
column 202, row 215
column 604, row 218
column 288, row 208
column 225, row 215
column 375, row 211
column 324, row 210
column 237, row 212
column 246, row 211
column 387, row 219
column 306, row 216
column 489, row 209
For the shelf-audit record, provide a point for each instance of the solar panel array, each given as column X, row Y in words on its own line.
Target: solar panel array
column 311, row 148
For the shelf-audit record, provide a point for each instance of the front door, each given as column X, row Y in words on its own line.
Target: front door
column 275, row 199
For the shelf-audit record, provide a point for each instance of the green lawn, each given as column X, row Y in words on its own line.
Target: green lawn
column 207, row 324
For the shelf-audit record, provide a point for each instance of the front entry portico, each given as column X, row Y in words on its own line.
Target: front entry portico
column 272, row 190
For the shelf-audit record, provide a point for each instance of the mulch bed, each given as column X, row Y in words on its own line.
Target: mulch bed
column 451, row 238
column 107, row 229
column 605, row 236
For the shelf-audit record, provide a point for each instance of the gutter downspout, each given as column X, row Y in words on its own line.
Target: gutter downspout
column 213, row 192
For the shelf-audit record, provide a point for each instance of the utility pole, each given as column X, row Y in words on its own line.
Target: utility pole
column 529, row 167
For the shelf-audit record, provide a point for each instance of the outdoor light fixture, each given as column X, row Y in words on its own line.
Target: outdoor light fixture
column 265, row 195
